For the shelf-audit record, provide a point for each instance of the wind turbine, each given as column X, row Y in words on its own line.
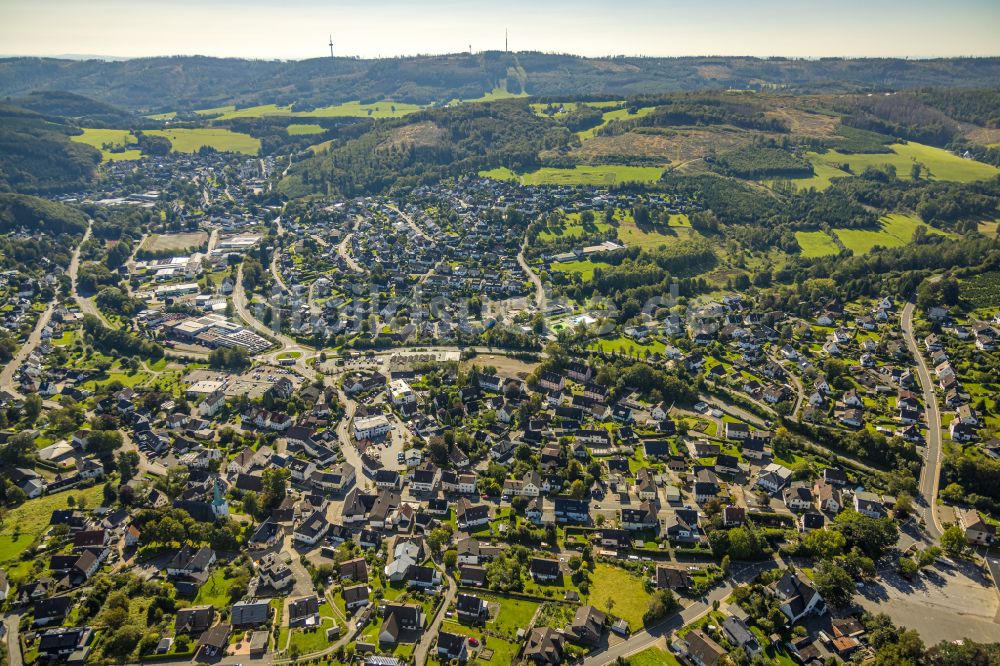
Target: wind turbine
column 331, row 46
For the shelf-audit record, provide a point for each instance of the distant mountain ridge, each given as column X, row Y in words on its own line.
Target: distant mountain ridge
column 147, row 85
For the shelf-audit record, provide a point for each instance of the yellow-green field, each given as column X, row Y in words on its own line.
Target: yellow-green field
column 938, row 164
column 190, row 140
column 114, row 137
column 897, row 230
column 630, row 234
column 816, row 243
column 821, row 179
column 297, row 129
column 539, row 109
column 346, row 110
column 603, row 174
column 573, row 228
column 617, row 114
column 628, row 346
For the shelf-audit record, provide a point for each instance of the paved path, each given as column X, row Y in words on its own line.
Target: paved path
column 930, row 474
column 9, row 371
column 533, row 276
column 431, row 632
column 86, row 306
column 12, row 620
column 413, row 225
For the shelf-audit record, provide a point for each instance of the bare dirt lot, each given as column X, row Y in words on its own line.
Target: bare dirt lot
column 174, row 242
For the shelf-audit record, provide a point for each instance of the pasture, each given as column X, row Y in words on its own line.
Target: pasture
column 896, row 231
column 816, row 244
column 159, row 243
column 938, row 164
column 584, row 268
column 633, row 236
column 611, row 116
column 355, row 109
column 223, row 140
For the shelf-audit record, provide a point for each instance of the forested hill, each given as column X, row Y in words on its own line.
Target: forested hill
column 184, row 83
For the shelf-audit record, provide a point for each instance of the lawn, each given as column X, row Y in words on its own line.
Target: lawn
column 629, row 347
column 503, row 651
column 514, row 614
column 653, row 656
column 573, row 228
column 224, row 140
column 296, row 129
column 602, row 174
column 816, row 243
column 31, row 519
column 215, row 591
column 938, row 164
column 98, row 138
column 897, row 230
column 626, row 590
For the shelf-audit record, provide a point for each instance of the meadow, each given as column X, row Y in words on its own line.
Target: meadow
column 628, row 347
column 630, row 233
column 174, row 242
column 816, row 244
column 896, row 231
column 297, row 129
column 602, row 174
column 938, row 164
column 346, row 110
column 611, row 116
column 224, row 140
column 584, row 268
column 626, row 591
column 981, row 291
column 98, row 138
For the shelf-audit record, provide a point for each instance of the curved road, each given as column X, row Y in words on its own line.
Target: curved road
column 533, row 276
column 930, row 474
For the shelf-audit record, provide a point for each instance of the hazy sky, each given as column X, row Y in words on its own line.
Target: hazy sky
column 300, row 28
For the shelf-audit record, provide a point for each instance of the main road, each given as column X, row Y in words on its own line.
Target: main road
column 930, row 475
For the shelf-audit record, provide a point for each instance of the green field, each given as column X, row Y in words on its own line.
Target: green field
column 938, row 164
column 630, row 234
column 584, row 268
column 816, row 243
column 629, row 346
column 630, row 597
column 897, row 230
column 611, row 116
column 100, row 137
column 297, row 129
column 821, row 180
column 573, row 228
column 602, row 174
column 31, row 519
column 346, row 110
column 982, row 291
column 539, row 109
column 190, row 140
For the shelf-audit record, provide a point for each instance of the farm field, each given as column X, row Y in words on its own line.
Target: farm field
column 939, row 164
column 821, row 180
column 630, row 233
column 299, row 129
column 603, row 174
column 346, row 110
column 101, row 137
column 897, row 230
column 816, row 243
column 981, row 291
column 174, row 242
column 190, row 140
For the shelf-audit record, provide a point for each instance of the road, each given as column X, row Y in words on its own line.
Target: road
column 930, row 475
column 533, row 276
column 13, row 621
column 413, row 225
column 275, row 271
column 348, row 259
column 9, row 371
column 86, row 306
column 644, row 638
column 431, row 632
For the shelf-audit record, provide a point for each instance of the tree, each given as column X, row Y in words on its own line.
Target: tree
column 32, row 407
column 450, row 559
column 577, row 489
column 907, row 567
column 953, row 541
column 832, row 582
column 662, row 604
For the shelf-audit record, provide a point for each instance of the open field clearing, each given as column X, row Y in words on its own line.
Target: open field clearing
column 821, row 180
column 611, row 116
column 174, row 242
column 30, row 520
column 938, row 164
column 573, row 228
column 584, row 268
column 298, row 129
column 604, row 174
column 566, row 107
column 628, row 596
column 346, row 110
column 897, row 230
column 628, row 346
column 98, row 138
column 674, row 144
column 190, row 140
column 983, row 290
column 816, row 243
column 630, row 233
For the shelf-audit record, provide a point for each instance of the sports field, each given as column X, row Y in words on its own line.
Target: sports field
column 897, row 230
column 224, row 140
column 816, row 243
column 602, row 174
column 938, row 164
column 111, row 137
